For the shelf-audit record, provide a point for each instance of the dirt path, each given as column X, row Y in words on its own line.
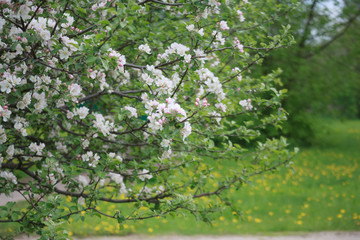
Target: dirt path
column 14, row 197
column 300, row 236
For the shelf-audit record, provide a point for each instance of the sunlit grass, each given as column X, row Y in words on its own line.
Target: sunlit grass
column 322, row 194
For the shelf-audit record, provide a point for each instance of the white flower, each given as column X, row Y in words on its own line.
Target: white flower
column 74, row 90
column 117, row 178
column 10, row 151
column 69, row 19
column 81, row 201
column 178, row 48
column 2, row 23
column 5, row 86
column 9, row 176
column 186, row 131
column 82, row 112
column 85, row 143
column 201, row 32
column 165, row 143
column 146, row 77
column 5, row 113
column 132, row 111
column 70, row 115
column 167, row 154
column 91, row 158
column 145, row 48
column 224, row 26
column 37, row 148
column 221, row 106
column 246, row 104
column 70, row 43
column 64, row 53
column 24, row 11
column 45, row 35
column 187, row 58
column 102, row 125
column 241, row 15
column 61, row 147
column 143, row 175
column 3, row 137
column 190, row 27
column 83, row 181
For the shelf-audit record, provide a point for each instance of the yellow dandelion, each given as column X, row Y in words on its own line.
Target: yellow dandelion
column 68, row 198
column 299, row 222
column 221, row 218
column 234, row 220
column 216, row 175
column 342, row 211
column 330, row 218
column 142, row 208
column 257, row 220
column 339, row 215
column 150, row 230
column 271, row 213
column 287, row 211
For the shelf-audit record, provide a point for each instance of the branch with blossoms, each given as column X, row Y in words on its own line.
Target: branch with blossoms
column 131, row 103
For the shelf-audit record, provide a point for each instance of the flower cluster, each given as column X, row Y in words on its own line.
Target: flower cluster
column 145, row 48
column 97, row 97
column 246, row 104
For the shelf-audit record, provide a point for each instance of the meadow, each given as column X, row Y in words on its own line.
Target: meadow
column 321, row 193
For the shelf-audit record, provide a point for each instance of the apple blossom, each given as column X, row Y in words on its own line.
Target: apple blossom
column 84, row 113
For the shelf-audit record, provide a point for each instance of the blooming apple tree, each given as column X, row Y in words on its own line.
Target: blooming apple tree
column 115, row 101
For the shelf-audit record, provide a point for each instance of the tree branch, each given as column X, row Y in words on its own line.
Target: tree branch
column 335, row 37
column 308, row 23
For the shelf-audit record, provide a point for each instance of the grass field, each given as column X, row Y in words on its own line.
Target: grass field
column 322, row 194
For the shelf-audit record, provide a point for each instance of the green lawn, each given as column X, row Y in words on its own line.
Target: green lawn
column 322, row 194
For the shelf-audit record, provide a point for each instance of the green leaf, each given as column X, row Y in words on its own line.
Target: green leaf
column 91, row 59
column 105, row 64
column 121, row 219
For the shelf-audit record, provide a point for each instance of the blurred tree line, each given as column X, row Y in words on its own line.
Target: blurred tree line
column 322, row 70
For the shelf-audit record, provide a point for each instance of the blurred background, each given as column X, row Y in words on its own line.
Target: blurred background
column 322, row 70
